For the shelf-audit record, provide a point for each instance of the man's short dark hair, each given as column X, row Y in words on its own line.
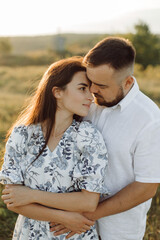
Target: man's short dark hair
column 115, row 51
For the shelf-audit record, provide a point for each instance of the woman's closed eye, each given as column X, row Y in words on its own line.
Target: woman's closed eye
column 83, row 88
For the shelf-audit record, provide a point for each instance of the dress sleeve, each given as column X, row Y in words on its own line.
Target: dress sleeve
column 91, row 160
column 11, row 172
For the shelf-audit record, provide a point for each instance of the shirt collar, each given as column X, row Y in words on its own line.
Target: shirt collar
column 129, row 97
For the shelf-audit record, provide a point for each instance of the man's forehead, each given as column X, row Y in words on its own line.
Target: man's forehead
column 100, row 68
column 100, row 75
column 101, row 71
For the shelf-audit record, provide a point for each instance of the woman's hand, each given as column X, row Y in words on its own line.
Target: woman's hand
column 17, row 195
column 72, row 221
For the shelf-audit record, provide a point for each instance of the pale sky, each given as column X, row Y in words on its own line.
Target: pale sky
column 41, row 17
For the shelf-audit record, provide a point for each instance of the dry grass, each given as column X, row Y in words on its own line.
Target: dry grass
column 16, row 84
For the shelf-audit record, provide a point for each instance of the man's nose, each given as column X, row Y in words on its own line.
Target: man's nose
column 93, row 88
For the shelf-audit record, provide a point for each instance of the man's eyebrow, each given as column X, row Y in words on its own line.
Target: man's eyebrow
column 83, row 84
column 101, row 85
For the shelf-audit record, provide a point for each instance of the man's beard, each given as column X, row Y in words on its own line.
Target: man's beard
column 100, row 100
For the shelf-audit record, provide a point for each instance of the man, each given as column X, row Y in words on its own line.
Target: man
column 130, row 124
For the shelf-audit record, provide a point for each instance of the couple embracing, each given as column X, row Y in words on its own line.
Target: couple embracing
column 71, row 162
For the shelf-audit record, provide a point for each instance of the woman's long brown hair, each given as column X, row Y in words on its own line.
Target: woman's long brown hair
column 43, row 105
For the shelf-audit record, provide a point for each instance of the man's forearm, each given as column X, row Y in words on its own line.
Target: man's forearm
column 38, row 212
column 129, row 197
column 69, row 220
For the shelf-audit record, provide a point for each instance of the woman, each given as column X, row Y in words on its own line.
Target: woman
column 60, row 159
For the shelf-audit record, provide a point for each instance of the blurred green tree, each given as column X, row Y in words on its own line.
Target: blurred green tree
column 147, row 45
column 5, row 46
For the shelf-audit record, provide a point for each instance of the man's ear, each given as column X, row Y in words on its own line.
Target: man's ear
column 128, row 82
column 57, row 92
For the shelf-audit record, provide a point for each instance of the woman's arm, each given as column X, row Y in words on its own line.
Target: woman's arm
column 74, row 201
column 38, row 212
column 73, row 221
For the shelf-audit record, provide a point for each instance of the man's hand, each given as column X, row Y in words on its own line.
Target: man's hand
column 73, row 222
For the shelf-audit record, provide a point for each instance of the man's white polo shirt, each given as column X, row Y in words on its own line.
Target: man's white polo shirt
column 131, row 130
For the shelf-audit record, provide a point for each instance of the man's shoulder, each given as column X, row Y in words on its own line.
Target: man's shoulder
column 147, row 106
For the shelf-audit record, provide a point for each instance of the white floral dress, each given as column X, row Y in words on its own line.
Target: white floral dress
column 78, row 162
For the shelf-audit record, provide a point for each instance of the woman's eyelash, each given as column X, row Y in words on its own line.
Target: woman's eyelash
column 82, row 88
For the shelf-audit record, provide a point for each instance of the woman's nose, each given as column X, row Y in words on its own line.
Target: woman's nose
column 90, row 97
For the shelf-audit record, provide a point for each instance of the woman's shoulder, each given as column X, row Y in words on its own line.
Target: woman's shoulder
column 19, row 131
column 89, row 137
column 88, row 133
column 22, row 132
column 86, row 127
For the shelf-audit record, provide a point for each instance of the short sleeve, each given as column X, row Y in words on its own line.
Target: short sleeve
column 92, row 159
column 11, row 172
column 147, row 154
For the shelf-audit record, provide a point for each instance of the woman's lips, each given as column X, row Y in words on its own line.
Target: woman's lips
column 87, row 105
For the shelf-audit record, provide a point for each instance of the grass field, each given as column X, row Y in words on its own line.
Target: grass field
column 17, row 84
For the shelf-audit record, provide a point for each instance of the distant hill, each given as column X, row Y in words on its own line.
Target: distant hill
column 91, row 33
column 28, row 44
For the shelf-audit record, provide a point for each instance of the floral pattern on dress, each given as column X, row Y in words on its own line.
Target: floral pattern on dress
column 78, row 162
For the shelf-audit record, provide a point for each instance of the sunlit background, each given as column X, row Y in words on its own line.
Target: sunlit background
column 40, row 17
column 36, row 33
